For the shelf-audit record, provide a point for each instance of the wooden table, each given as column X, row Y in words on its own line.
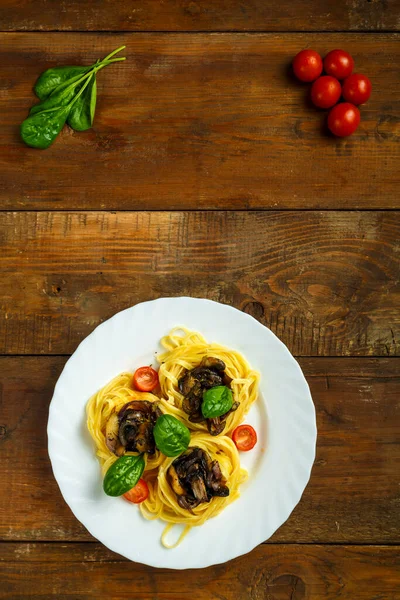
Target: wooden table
column 208, row 174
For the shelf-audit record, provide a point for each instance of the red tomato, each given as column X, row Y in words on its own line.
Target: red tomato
column 357, row 88
column 338, row 63
column 307, row 65
column 244, row 437
column 145, row 379
column 343, row 119
column 325, row 91
column 139, row 493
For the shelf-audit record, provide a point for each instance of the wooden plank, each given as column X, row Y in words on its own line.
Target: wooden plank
column 358, row 455
column 327, row 283
column 276, row 572
column 200, row 15
column 201, row 121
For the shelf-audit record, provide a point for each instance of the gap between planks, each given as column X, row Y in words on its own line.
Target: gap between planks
column 266, row 543
column 202, row 210
column 205, row 31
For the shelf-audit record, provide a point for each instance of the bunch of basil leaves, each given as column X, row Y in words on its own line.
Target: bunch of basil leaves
column 66, row 94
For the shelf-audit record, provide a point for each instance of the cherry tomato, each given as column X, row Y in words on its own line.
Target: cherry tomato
column 343, row 119
column 307, row 65
column 357, row 88
column 139, row 493
column 145, row 379
column 245, row 437
column 339, row 64
column 325, row 91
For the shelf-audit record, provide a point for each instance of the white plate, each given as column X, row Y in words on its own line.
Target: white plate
column 279, row 466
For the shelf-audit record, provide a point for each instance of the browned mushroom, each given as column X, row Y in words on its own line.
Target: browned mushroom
column 174, row 481
column 132, row 428
column 206, row 377
column 192, row 385
column 210, row 362
column 216, row 425
column 195, row 478
column 112, row 440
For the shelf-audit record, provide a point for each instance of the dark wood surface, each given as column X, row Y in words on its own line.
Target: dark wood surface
column 201, row 15
column 270, row 572
column 201, row 122
column 358, row 407
column 255, row 205
column 327, row 283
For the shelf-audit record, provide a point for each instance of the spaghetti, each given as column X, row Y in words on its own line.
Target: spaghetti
column 162, row 502
column 184, row 351
column 110, row 399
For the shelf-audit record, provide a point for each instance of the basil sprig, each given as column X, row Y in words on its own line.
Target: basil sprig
column 52, row 78
column 216, row 402
column 171, row 436
column 66, row 93
column 81, row 114
column 123, row 475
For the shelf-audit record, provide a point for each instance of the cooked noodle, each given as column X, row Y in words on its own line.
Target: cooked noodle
column 184, row 350
column 162, row 502
column 111, row 398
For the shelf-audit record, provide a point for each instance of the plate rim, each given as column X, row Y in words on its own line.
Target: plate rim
column 81, row 347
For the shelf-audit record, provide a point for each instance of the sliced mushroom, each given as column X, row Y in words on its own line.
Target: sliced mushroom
column 188, row 384
column 128, row 428
column 195, row 478
column 144, row 438
column 142, row 406
column 219, row 489
column 199, row 488
column 187, row 503
column 192, row 385
column 215, row 480
column 174, row 481
column 209, row 362
column 191, row 404
column 133, row 427
column 215, row 426
column 207, row 377
column 112, row 440
column 196, row 417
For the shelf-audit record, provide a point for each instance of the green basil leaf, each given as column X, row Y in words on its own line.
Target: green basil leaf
column 61, row 96
column 216, row 402
column 171, row 436
column 123, row 475
column 80, row 116
column 49, row 80
column 40, row 130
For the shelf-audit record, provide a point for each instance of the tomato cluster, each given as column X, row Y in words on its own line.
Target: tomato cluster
column 326, row 90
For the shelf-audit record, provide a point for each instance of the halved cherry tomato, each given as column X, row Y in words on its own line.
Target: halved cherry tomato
column 145, row 379
column 139, row 493
column 245, row 437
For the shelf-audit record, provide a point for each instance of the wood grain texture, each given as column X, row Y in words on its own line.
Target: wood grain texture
column 327, row 283
column 201, row 15
column 201, row 121
column 353, row 495
column 274, row 572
